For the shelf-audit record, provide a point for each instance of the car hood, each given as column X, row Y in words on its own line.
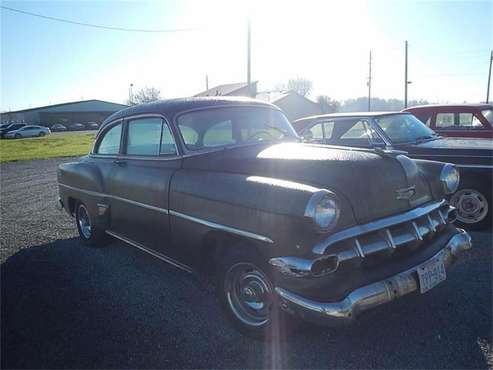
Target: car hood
column 455, row 150
column 366, row 180
column 458, row 143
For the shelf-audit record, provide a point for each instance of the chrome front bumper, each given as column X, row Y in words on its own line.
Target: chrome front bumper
column 372, row 295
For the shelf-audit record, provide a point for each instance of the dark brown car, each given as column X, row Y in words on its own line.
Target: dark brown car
column 223, row 187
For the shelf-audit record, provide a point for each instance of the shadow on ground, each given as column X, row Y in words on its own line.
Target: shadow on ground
column 68, row 306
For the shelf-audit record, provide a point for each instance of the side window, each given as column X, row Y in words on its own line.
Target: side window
column 328, row 128
column 358, row 131
column 445, row 120
column 144, row 136
column 469, row 121
column 315, row 132
column 190, row 136
column 110, row 143
column 219, row 134
column 168, row 146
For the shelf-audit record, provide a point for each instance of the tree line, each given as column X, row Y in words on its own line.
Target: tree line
column 304, row 87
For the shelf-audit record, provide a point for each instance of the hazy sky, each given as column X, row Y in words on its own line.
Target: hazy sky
column 46, row 62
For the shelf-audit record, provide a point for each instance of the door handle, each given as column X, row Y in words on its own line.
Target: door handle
column 119, row 162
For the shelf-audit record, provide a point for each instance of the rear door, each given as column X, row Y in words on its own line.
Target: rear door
column 140, row 181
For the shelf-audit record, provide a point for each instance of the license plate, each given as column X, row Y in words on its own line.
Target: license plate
column 431, row 274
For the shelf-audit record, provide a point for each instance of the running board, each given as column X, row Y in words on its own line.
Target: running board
column 158, row 255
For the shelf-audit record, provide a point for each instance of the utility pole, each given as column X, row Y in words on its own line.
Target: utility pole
column 369, row 84
column 249, row 66
column 130, row 93
column 489, row 80
column 206, row 82
column 405, row 78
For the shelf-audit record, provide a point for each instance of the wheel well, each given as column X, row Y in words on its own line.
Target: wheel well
column 214, row 245
column 71, row 205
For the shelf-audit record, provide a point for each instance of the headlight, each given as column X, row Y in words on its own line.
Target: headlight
column 323, row 209
column 449, row 178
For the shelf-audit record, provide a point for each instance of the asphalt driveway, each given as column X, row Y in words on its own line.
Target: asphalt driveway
column 64, row 305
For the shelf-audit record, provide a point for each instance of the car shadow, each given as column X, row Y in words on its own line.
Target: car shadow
column 64, row 305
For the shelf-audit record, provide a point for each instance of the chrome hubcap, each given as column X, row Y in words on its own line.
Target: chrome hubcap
column 249, row 292
column 84, row 221
column 471, row 205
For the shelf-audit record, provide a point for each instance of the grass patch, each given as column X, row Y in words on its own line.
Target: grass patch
column 63, row 144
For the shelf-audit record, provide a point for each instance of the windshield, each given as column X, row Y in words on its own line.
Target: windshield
column 404, row 128
column 212, row 128
column 488, row 114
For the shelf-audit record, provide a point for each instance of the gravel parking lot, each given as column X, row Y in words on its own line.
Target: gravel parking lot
column 67, row 306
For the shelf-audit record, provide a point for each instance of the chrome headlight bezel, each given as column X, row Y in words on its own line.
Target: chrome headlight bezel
column 450, row 178
column 323, row 209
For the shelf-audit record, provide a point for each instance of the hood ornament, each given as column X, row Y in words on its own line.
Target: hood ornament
column 405, row 193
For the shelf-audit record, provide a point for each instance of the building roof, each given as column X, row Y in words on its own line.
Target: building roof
column 171, row 107
column 226, row 89
column 272, row 96
column 76, row 106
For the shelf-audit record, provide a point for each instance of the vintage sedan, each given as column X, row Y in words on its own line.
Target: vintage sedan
column 223, row 187
column 457, row 120
column 403, row 131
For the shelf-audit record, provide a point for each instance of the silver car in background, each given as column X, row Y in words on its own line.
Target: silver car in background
column 28, row 131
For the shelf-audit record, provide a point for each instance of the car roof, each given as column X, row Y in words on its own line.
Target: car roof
column 431, row 106
column 347, row 115
column 172, row 107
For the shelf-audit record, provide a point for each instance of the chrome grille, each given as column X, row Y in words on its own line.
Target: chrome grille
column 406, row 235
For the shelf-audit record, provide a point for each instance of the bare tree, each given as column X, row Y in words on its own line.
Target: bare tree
column 301, row 85
column 144, row 95
column 327, row 104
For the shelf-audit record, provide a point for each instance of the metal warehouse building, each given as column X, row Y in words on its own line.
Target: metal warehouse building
column 75, row 112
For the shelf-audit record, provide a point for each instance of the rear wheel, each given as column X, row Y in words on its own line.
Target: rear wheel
column 473, row 208
column 247, row 295
column 89, row 232
column 17, row 136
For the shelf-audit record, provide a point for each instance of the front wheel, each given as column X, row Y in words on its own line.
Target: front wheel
column 473, row 208
column 41, row 134
column 89, row 232
column 246, row 292
column 18, row 136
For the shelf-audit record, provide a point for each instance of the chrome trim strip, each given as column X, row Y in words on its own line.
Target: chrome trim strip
column 89, row 192
column 97, row 194
column 321, row 247
column 229, row 229
column 162, row 257
column 474, row 166
column 213, row 225
column 449, row 155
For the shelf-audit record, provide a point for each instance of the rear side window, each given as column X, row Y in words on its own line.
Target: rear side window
column 144, row 136
column 150, row 137
column 110, row 143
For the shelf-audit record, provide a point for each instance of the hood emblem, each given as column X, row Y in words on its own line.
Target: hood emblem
column 406, row 193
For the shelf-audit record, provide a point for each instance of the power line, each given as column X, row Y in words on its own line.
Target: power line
column 97, row 25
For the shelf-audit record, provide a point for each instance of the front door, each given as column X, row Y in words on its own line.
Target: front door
column 140, row 180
